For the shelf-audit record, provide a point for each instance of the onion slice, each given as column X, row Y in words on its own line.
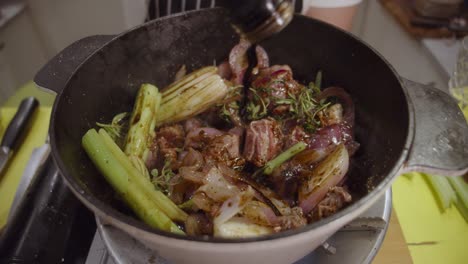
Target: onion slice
column 240, row 227
column 233, row 206
column 326, row 175
column 217, row 187
column 345, row 100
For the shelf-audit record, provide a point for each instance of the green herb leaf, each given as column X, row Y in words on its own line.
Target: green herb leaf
column 162, row 180
column 257, row 108
column 117, row 128
column 318, row 80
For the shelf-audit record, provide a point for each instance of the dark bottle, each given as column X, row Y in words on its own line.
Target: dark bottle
column 259, row 19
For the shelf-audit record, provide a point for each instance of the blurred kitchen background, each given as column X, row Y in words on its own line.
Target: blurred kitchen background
column 33, row 31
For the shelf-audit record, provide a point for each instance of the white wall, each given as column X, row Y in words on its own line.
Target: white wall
column 7, row 79
column 134, row 12
column 406, row 53
column 22, row 55
column 46, row 27
column 61, row 22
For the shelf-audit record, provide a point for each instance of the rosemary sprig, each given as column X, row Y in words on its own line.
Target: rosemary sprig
column 162, row 180
column 303, row 107
column 117, row 128
column 230, row 105
column 227, row 110
column 317, row 84
column 258, row 107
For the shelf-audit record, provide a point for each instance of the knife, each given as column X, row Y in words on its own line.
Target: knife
column 16, row 130
column 365, row 224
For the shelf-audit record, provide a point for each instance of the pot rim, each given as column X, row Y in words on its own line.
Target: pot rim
column 99, row 207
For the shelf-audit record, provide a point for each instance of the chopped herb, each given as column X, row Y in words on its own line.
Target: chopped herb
column 187, row 205
column 258, row 107
column 316, row 86
column 266, row 90
column 162, row 180
column 318, row 80
column 227, row 110
column 304, row 108
column 117, row 128
column 230, row 105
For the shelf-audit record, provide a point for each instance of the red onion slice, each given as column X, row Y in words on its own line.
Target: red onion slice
column 323, row 177
column 238, row 60
column 262, row 57
column 224, row 70
column 199, row 134
column 345, row 100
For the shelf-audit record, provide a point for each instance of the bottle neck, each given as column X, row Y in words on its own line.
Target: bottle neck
column 259, row 19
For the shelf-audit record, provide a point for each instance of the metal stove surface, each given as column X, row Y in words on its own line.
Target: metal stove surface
column 356, row 243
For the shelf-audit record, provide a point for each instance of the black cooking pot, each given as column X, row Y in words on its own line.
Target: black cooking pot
column 401, row 125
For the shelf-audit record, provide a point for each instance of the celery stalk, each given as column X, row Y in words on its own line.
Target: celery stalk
column 461, row 188
column 143, row 121
column 442, row 190
column 123, row 183
column 462, row 209
column 192, row 79
column 189, row 80
column 162, row 201
column 191, row 95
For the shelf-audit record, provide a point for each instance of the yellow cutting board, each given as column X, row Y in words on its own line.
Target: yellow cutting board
column 35, row 137
column 433, row 237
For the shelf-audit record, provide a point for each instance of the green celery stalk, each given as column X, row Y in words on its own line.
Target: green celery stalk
column 462, row 209
column 143, row 121
column 162, row 201
column 191, row 95
column 461, row 188
column 189, row 80
column 195, row 78
column 442, row 190
column 124, row 184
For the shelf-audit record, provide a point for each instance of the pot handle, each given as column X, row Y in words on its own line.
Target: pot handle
column 440, row 144
column 54, row 75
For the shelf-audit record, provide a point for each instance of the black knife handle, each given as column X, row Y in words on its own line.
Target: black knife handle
column 18, row 124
